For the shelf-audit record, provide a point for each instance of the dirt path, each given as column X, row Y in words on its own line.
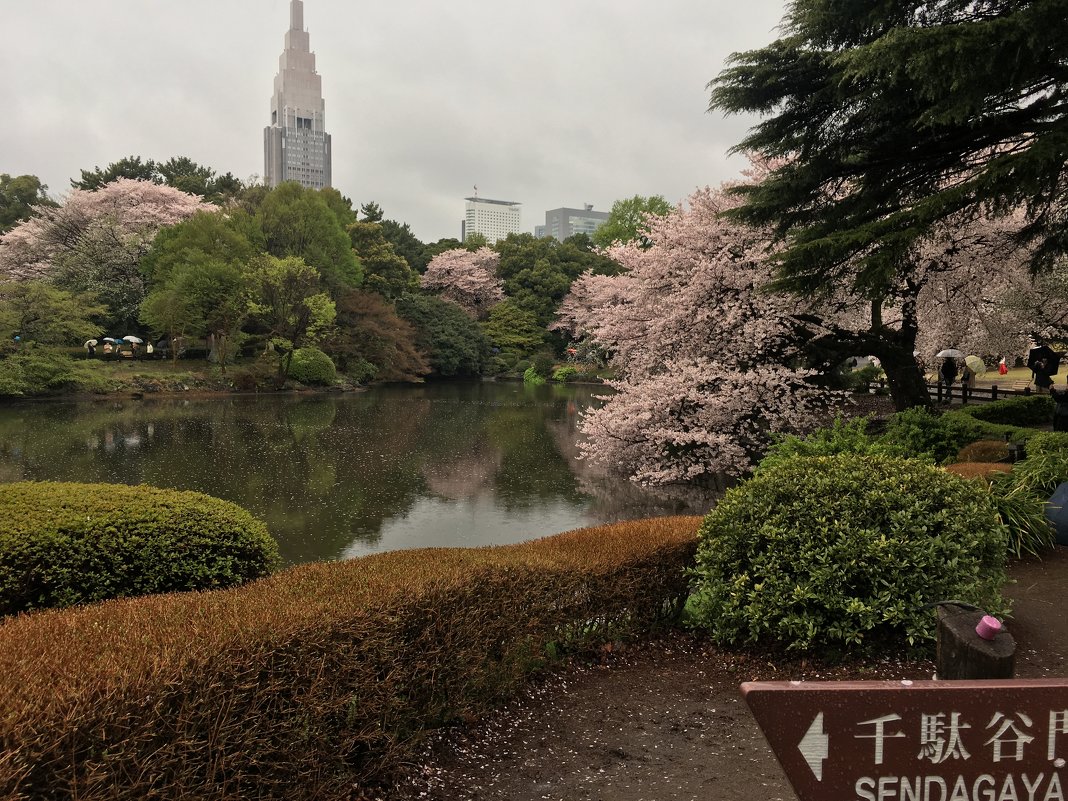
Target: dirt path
column 665, row 721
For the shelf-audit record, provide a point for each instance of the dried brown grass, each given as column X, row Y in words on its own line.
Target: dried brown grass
column 298, row 685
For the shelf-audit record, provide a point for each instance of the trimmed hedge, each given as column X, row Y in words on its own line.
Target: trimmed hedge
column 982, row 470
column 301, row 684
column 841, row 552
column 63, row 544
column 1026, row 410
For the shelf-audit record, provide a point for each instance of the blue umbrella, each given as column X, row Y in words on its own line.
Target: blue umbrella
column 1057, row 512
column 113, row 341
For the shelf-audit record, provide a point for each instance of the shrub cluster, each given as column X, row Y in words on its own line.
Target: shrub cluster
column 1027, row 410
column 38, row 370
column 312, row 367
column 844, row 551
column 63, row 544
column 299, row 685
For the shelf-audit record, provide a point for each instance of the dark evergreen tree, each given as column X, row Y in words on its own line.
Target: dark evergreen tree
column 890, row 119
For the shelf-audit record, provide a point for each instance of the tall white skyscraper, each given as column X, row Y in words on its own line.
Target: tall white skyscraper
column 296, row 146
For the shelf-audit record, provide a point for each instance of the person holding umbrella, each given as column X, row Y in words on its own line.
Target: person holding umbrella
column 947, row 373
column 1044, row 363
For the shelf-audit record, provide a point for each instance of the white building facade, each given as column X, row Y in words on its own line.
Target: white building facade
column 494, row 219
column 296, row 146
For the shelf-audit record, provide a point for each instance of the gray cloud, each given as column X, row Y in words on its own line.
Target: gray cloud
column 550, row 104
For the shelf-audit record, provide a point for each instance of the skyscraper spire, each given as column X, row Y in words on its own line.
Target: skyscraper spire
column 296, row 146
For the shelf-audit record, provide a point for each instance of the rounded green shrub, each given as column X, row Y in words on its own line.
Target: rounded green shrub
column 312, row 367
column 565, row 373
column 844, row 551
column 63, row 544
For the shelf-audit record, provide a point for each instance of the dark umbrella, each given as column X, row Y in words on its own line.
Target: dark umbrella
column 1051, row 357
column 1057, row 512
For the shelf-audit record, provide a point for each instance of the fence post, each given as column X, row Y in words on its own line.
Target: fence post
column 964, row 393
column 993, row 392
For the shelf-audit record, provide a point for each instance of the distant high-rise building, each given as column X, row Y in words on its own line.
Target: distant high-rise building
column 562, row 223
column 494, row 219
column 296, row 146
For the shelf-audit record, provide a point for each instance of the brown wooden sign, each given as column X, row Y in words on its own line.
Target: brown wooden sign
column 918, row 740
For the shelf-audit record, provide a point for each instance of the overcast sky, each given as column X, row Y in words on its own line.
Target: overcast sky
column 549, row 104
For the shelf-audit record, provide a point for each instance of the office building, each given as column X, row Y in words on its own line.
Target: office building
column 494, row 219
column 296, row 146
column 562, row 223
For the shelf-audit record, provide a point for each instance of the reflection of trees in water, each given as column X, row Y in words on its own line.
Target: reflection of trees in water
column 614, row 498
column 322, row 470
column 466, row 476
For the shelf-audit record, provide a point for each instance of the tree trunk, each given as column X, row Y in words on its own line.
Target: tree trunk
column 907, row 385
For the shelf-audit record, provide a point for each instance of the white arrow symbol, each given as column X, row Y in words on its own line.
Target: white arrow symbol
column 813, row 747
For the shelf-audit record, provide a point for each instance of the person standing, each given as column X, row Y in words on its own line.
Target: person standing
column 948, row 374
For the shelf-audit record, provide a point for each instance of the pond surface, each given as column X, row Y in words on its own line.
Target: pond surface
column 337, row 476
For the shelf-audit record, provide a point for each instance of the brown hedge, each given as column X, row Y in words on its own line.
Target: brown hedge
column 299, row 685
column 978, row 469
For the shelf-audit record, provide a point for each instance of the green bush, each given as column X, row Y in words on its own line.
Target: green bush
column 361, row 371
column 942, row 436
column 253, row 377
column 1024, row 513
column 317, row 678
column 1025, row 410
column 37, row 370
column 533, row 377
column 1044, row 442
column 844, row 551
column 842, row 436
column 565, row 373
column 64, row 544
column 860, row 380
column 312, row 367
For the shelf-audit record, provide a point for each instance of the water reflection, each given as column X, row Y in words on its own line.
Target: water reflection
column 344, row 475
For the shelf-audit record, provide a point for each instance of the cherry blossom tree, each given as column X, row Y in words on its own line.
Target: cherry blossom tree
column 467, row 279
column 712, row 360
column 710, row 364
column 94, row 241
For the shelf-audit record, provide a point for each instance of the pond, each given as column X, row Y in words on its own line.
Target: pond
column 343, row 475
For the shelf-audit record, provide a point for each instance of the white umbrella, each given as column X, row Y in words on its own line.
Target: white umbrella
column 89, row 342
column 949, row 353
column 131, row 338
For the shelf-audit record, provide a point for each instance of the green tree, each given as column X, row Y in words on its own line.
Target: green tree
column 299, row 222
column 453, row 342
column 131, row 167
column 207, row 235
column 168, row 311
column 384, row 271
column 18, row 196
column 626, row 220
column 340, row 205
column 537, row 273
column 42, row 313
column 406, row 244
column 287, row 301
column 889, row 119
column 513, row 334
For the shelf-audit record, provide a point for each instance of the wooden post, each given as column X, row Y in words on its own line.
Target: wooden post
column 993, row 392
column 963, row 654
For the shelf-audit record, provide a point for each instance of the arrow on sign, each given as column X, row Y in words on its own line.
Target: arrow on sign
column 813, row 747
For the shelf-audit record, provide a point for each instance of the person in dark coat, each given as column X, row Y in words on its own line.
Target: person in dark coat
column 948, row 374
column 1060, row 408
column 1043, row 378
